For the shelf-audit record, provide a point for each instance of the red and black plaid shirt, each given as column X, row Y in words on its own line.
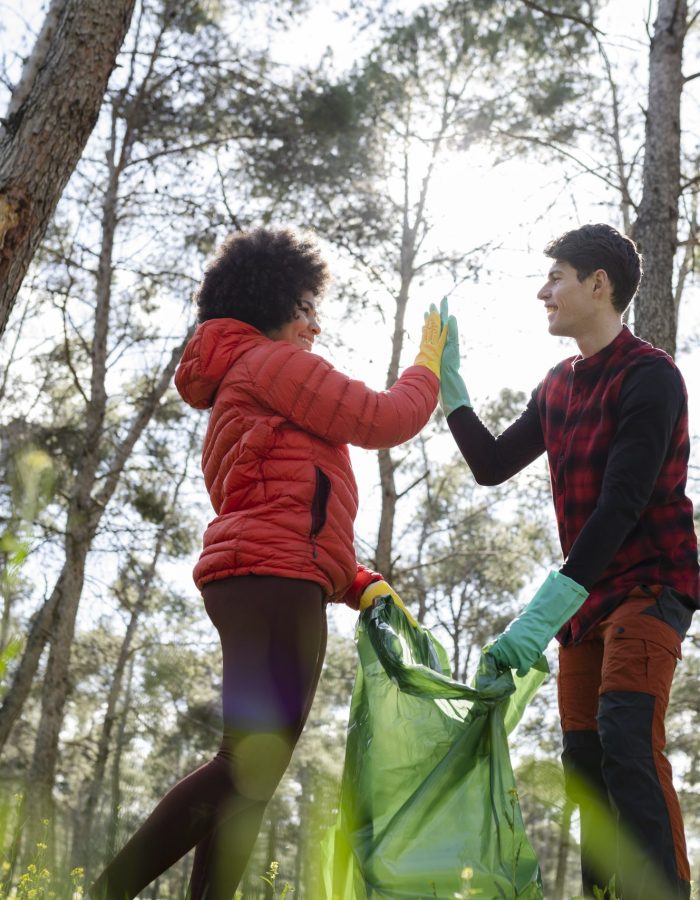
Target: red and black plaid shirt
column 615, row 428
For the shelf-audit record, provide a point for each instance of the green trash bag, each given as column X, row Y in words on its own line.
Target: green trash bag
column 428, row 805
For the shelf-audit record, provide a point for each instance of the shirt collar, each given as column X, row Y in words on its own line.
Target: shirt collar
column 592, row 363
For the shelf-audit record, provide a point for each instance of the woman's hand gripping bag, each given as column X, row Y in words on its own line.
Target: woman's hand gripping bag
column 428, row 806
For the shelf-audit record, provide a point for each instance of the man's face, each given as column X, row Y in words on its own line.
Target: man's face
column 567, row 301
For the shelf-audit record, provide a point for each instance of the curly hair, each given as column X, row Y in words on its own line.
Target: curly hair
column 259, row 276
column 600, row 246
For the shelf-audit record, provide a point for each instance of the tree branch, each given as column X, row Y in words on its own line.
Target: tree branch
column 412, row 485
column 139, row 422
column 562, row 15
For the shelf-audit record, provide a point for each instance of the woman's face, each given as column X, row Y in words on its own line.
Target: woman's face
column 303, row 329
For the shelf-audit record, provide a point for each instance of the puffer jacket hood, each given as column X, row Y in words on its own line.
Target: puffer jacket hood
column 213, row 349
column 275, row 459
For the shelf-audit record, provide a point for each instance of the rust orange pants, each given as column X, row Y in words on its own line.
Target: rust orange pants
column 613, row 693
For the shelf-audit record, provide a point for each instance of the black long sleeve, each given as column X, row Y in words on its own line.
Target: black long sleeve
column 494, row 460
column 650, row 402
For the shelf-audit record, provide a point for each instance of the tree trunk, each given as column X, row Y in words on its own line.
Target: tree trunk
column 563, row 850
column 385, row 534
column 70, row 582
column 39, row 631
column 413, row 231
column 92, row 789
column 383, row 556
column 83, row 510
column 270, row 889
column 56, row 684
column 48, row 124
column 656, row 229
column 115, row 775
column 82, row 840
column 6, row 593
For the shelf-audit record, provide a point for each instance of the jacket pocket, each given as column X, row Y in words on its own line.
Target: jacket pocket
column 319, row 504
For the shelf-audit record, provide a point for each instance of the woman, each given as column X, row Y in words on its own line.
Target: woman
column 279, row 477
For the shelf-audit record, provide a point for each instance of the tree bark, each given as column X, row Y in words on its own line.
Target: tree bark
column 49, row 121
column 115, row 774
column 69, row 584
column 385, row 534
column 56, row 682
column 37, row 638
column 82, row 843
column 656, row 229
column 563, row 850
column 413, row 231
column 82, row 837
column 270, row 890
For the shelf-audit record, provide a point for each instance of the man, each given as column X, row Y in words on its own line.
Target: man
column 613, row 421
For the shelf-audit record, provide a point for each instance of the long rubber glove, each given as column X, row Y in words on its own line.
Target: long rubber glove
column 382, row 589
column 453, row 390
column 433, row 341
column 525, row 639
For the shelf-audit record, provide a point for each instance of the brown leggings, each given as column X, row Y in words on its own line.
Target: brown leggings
column 273, row 638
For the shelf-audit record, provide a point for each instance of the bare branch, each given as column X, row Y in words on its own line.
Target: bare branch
column 412, row 485
column 68, row 356
column 224, row 197
column 563, row 15
column 138, row 424
column 185, row 148
column 533, row 139
column 693, row 20
column 620, row 162
column 690, row 182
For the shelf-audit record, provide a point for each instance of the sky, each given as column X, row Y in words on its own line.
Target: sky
column 518, row 206
column 503, row 327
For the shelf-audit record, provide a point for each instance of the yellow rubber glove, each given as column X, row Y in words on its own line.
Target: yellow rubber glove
column 382, row 589
column 433, row 342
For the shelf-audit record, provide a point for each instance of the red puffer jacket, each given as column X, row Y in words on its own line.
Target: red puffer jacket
column 274, row 459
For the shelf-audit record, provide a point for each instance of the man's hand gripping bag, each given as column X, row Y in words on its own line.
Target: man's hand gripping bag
column 428, row 807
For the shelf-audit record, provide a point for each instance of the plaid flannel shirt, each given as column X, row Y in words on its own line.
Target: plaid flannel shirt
column 585, row 416
column 615, row 429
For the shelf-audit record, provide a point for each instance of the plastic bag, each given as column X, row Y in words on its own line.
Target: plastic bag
column 428, row 805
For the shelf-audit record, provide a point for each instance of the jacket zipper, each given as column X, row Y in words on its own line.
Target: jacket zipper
column 319, row 506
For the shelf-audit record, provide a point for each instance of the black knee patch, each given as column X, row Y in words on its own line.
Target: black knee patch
column 582, row 761
column 625, row 720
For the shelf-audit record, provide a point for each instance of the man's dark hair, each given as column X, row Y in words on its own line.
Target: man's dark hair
column 594, row 247
column 259, row 276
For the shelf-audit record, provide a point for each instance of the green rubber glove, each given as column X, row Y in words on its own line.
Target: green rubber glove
column 525, row 639
column 453, row 391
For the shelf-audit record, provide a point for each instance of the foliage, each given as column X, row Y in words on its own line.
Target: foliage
column 37, row 881
column 202, row 133
column 31, row 486
column 270, row 878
